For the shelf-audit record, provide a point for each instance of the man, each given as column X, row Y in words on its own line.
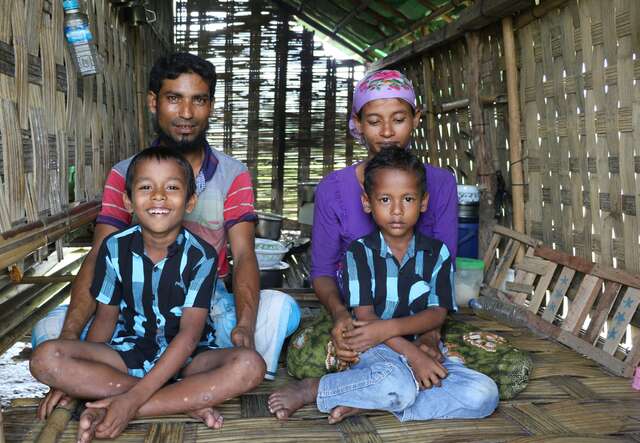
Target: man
column 180, row 97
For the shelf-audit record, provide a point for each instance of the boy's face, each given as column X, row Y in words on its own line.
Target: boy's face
column 387, row 122
column 395, row 202
column 158, row 196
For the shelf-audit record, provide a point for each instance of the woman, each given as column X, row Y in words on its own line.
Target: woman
column 383, row 115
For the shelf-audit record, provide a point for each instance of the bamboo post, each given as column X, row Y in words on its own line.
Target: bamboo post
column 140, row 85
column 515, row 149
column 56, row 423
column 279, row 110
column 483, row 154
column 1, row 428
column 430, row 118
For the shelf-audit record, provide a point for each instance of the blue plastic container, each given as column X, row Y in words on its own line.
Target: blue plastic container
column 468, row 237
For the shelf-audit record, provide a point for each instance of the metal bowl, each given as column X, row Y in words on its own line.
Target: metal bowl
column 269, row 225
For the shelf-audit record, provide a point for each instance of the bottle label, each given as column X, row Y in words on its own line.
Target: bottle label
column 70, row 4
column 78, row 34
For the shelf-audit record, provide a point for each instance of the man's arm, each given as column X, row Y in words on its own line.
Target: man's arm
column 82, row 304
column 101, row 329
column 246, row 282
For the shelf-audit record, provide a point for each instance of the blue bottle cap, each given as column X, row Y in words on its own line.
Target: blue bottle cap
column 68, row 5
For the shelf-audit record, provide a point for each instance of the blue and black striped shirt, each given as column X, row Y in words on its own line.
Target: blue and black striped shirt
column 152, row 296
column 372, row 276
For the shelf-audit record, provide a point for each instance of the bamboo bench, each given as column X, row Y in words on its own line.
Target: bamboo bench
column 546, row 279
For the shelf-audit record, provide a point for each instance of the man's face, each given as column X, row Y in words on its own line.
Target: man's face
column 182, row 108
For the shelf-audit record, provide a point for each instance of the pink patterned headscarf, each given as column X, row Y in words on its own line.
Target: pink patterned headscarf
column 379, row 84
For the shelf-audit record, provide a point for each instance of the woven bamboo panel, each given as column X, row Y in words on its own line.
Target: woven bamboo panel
column 51, row 120
column 317, row 95
column 580, row 100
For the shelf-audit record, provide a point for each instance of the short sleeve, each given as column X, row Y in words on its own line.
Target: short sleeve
column 356, row 277
column 445, row 227
column 203, row 282
column 325, row 248
column 113, row 211
column 238, row 203
column 442, row 281
column 106, row 286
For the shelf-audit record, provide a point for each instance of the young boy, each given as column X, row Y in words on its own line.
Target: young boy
column 397, row 283
column 154, row 283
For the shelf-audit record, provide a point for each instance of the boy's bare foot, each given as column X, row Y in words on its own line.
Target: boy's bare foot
column 211, row 417
column 287, row 400
column 90, row 418
column 341, row 412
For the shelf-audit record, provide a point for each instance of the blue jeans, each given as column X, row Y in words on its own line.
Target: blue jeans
column 278, row 317
column 383, row 380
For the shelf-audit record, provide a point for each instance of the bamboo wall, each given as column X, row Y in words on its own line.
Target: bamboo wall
column 288, row 125
column 580, row 107
column 51, row 119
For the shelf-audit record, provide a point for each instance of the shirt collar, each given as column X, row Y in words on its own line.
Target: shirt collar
column 137, row 244
column 376, row 241
column 207, row 169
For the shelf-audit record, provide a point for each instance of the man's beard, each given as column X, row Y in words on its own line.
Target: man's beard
column 183, row 145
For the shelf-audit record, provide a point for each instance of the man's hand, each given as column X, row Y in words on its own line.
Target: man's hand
column 367, row 334
column 121, row 409
column 243, row 336
column 428, row 371
column 341, row 325
column 54, row 397
column 429, row 344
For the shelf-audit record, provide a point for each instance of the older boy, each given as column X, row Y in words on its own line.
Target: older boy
column 154, row 284
column 397, row 283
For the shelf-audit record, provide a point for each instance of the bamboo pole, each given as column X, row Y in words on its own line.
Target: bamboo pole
column 484, row 155
column 515, row 149
column 56, row 423
column 1, row 428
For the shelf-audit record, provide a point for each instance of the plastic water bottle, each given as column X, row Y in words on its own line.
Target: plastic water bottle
column 508, row 313
column 76, row 30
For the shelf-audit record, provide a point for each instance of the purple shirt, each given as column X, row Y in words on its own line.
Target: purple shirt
column 339, row 219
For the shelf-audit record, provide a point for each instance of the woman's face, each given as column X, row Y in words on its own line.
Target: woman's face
column 386, row 122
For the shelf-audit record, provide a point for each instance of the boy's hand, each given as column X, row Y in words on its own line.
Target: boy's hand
column 429, row 343
column 341, row 325
column 55, row 397
column 121, row 409
column 367, row 334
column 428, row 371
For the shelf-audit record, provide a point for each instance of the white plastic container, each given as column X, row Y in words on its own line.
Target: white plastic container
column 469, row 274
column 269, row 253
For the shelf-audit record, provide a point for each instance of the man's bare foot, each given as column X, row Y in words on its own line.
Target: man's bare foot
column 90, row 418
column 287, row 400
column 339, row 413
column 211, row 417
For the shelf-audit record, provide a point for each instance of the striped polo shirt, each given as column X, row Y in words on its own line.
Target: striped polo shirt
column 372, row 276
column 152, row 296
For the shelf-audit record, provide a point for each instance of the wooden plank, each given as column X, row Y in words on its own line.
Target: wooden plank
column 564, row 259
column 522, row 238
column 601, row 312
column 542, row 286
column 621, row 319
column 523, row 278
column 582, row 303
column 504, row 264
column 532, row 265
column 557, row 295
column 490, row 253
column 618, row 367
column 519, row 287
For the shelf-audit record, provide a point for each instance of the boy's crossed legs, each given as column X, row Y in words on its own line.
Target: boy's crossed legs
column 382, row 380
column 91, row 370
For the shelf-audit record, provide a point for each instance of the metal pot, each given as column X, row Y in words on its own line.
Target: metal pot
column 307, row 191
column 269, row 225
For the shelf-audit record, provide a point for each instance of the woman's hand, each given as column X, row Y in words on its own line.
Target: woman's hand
column 121, row 409
column 367, row 334
column 341, row 325
column 428, row 371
